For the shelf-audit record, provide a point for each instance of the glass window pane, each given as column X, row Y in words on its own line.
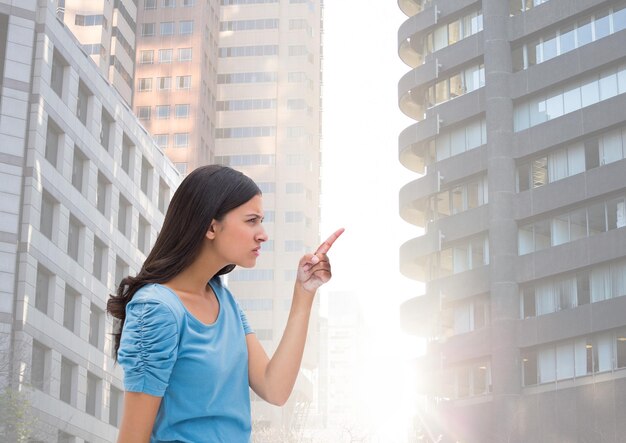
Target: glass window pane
column 611, row 147
column 540, row 172
column 597, row 218
column 523, row 177
column 517, row 56
column 554, row 106
column 532, row 49
column 454, row 32
column 567, row 39
column 571, row 99
column 619, row 17
column 560, row 230
column 602, row 25
column 578, row 224
column 441, row 38
column 443, row 146
column 456, row 86
column 616, row 213
column 458, row 204
column 576, row 159
column 537, row 109
column 473, row 135
column 457, row 141
column 548, row 48
column 522, row 118
column 583, row 33
column 441, row 92
column 525, row 242
column 608, row 85
column 542, row 235
column 590, row 92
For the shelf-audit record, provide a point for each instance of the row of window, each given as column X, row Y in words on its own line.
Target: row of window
column 246, row 160
column 248, row 51
column 570, row 36
column 95, row 49
column 246, row 104
column 603, row 352
column 573, row 225
column 185, row 27
column 162, row 112
column 518, row 6
column 463, row 256
column 164, row 83
column 180, row 139
column 574, row 96
column 249, row 25
column 461, row 83
column 451, row 33
column 462, row 197
column 165, row 55
column 572, row 159
column 601, row 282
column 456, row 141
column 468, row 380
column 247, row 77
column 91, row 20
column 152, row 4
column 245, row 132
column 69, row 372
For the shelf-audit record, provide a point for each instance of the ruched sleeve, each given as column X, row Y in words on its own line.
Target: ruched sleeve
column 148, row 347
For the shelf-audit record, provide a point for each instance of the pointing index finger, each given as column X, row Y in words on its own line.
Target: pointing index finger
column 324, row 247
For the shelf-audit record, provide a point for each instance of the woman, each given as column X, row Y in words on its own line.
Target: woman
column 188, row 354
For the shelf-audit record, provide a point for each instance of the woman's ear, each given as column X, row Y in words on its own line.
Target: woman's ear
column 210, row 233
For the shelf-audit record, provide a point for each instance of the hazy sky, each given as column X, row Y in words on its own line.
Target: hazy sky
column 361, row 181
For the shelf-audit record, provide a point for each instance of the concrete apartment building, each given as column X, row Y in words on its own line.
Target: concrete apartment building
column 520, row 138
column 83, row 191
column 106, row 31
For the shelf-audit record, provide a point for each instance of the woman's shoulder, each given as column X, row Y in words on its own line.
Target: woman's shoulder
column 159, row 297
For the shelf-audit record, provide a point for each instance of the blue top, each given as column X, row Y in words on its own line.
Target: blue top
column 200, row 370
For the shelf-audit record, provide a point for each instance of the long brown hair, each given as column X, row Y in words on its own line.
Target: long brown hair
column 206, row 194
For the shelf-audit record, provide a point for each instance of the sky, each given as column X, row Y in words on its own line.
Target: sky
column 361, row 179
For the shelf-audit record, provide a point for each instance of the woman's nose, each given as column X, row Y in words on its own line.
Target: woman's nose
column 262, row 236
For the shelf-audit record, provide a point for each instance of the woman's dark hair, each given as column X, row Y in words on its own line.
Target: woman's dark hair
column 206, row 194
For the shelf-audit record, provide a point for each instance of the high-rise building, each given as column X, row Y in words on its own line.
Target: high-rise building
column 520, row 136
column 176, row 77
column 268, row 126
column 83, row 193
column 106, row 31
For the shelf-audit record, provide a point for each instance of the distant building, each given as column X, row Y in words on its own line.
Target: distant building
column 176, row 77
column 520, row 135
column 106, row 31
column 83, row 191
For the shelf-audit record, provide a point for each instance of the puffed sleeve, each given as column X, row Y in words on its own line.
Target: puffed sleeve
column 244, row 321
column 148, row 347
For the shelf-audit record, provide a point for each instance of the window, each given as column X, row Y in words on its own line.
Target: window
column 246, row 77
column 73, row 238
column 123, row 216
column 82, row 103
column 143, row 112
column 184, row 54
column 144, row 85
column 39, row 367
column 249, row 25
column 102, row 193
column 167, row 28
column 185, row 27
column 128, row 151
column 100, row 258
column 181, row 140
column 143, row 235
column 162, row 140
column 162, row 112
column 168, row 3
column 244, row 132
column 91, row 20
column 96, row 326
column 246, row 160
column 188, row 3
column 47, row 215
column 150, row 4
column 53, row 139
column 79, row 165
column 43, row 289
column 106, row 129
column 93, row 397
column 64, row 437
column 57, row 75
column 146, row 176
column 115, row 406
column 165, row 55
column 181, row 167
column 252, row 275
column 148, row 29
column 183, row 82
column 294, row 217
column 121, row 270
column 71, row 309
column 248, row 51
column 182, row 111
column 67, row 390
column 164, row 196
column 146, row 57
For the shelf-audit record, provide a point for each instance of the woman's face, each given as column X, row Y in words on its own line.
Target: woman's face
column 238, row 236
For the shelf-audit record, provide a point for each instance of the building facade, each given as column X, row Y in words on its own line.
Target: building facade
column 520, row 141
column 106, row 30
column 176, row 77
column 83, row 193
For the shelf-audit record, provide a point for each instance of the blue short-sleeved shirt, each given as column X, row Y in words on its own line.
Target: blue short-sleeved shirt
column 200, row 370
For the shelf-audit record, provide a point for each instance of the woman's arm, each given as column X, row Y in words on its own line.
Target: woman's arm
column 273, row 379
column 140, row 411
